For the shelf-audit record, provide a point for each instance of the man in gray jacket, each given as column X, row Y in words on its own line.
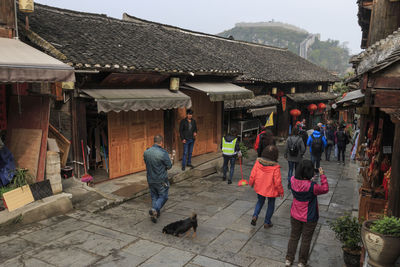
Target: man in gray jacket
column 157, row 163
column 294, row 151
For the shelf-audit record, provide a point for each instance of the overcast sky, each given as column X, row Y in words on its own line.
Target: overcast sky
column 332, row 19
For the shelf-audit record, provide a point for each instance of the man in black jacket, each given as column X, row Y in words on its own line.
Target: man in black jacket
column 187, row 132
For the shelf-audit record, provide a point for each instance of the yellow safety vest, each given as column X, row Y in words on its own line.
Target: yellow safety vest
column 228, row 148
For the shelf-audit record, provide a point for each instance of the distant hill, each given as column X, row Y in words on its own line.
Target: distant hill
column 330, row 54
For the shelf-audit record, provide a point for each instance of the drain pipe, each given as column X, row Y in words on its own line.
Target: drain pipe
column 16, row 20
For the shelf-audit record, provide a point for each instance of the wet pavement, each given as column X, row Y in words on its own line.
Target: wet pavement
column 125, row 236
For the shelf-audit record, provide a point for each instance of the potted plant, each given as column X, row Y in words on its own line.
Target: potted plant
column 381, row 238
column 347, row 230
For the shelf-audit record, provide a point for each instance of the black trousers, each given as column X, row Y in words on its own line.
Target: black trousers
column 341, row 151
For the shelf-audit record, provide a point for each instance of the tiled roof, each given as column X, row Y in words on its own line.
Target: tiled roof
column 94, row 41
column 379, row 55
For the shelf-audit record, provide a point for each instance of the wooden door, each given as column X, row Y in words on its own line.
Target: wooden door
column 208, row 118
column 130, row 134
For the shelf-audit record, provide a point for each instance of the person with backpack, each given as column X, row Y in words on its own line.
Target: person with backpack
column 294, row 152
column 304, row 211
column 330, row 139
column 317, row 143
column 266, row 139
column 342, row 139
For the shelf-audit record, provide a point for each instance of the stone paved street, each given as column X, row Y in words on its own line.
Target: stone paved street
column 125, row 236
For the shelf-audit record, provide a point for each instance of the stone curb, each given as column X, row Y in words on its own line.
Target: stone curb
column 39, row 210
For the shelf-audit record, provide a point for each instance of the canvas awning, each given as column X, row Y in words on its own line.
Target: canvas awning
column 20, row 62
column 261, row 111
column 258, row 101
column 351, row 96
column 137, row 99
column 311, row 97
column 221, row 91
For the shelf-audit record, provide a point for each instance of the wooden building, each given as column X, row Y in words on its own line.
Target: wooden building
column 378, row 69
column 125, row 71
column 28, row 82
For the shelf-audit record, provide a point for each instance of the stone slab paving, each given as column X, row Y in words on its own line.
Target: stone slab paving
column 124, row 235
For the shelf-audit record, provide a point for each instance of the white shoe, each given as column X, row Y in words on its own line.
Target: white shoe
column 301, row 265
column 288, row 263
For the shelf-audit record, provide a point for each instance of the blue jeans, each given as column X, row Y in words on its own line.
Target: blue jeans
column 316, row 159
column 292, row 167
column 270, row 210
column 232, row 161
column 187, row 152
column 159, row 195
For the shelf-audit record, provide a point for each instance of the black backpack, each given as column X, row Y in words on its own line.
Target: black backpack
column 316, row 146
column 293, row 148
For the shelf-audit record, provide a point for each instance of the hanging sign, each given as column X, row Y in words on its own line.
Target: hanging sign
column 283, row 103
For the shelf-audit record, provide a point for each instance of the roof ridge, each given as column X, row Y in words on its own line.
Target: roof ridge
column 197, row 33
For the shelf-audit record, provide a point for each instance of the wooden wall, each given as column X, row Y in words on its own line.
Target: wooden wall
column 129, row 135
column 7, row 18
column 208, row 116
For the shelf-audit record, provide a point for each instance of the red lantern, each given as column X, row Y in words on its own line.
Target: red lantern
column 295, row 113
column 312, row 108
column 321, row 107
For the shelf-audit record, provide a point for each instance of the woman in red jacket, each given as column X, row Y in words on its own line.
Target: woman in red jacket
column 304, row 211
column 266, row 180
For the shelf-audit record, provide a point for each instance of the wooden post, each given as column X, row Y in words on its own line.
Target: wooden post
column 394, row 189
column 384, row 20
column 75, row 138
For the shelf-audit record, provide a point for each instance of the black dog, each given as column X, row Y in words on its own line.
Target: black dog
column 182, row 226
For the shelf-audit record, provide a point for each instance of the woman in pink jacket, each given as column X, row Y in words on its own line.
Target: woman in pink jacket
column 304, row 211
column 265, row 177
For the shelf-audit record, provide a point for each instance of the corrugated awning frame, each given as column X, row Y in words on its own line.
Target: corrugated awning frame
column 138, row 99
column 20, row 62
column 221, row 91
column 262, row 111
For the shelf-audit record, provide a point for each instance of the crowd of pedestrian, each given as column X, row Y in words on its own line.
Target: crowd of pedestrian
column 265, row 177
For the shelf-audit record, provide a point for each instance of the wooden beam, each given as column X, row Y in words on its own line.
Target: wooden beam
column 386, row 82
column 387, row 98
column 394, row 189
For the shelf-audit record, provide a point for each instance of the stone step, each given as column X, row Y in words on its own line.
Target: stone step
column 205, row 169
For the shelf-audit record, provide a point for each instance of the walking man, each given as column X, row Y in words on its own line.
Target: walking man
column 330, row 139
column 157, row 163
column 188, row 133
column 317, row 143
column 342, row 139
column 294, row 152
column 230, row 149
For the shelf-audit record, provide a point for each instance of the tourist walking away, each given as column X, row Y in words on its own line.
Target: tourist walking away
column 188, row 133
column 330, row 141
column 265, row 178
column 266, row 139
column 294, row 151
column 230, row 151
column 342, row 139
column 157, row 163
column 304, row 210
column 257, row 142
column 317, row 143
